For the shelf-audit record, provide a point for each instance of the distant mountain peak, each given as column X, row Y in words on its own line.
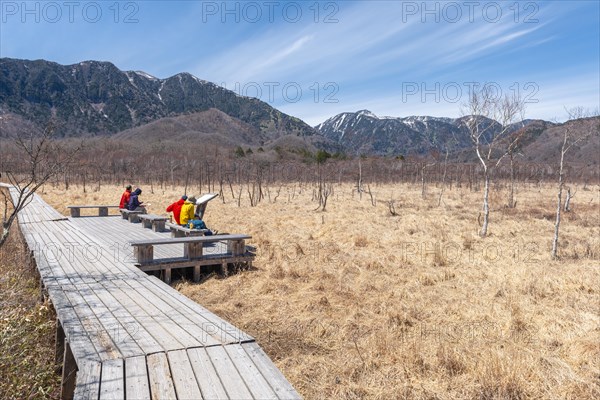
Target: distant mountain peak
column 146, row 75
column 363, row 132
column 366, row 113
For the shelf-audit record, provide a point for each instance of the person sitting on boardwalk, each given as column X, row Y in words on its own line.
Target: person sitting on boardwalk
column 125, row 197
column 175, row 208
column 134, row 202
column 187, row 210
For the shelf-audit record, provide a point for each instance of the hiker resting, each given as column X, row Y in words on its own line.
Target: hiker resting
column 124, row 203
column 175, row 208
column 187, row 211
column 134, row 202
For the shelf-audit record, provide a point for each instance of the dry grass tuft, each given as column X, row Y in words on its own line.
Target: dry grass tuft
column 354, row 304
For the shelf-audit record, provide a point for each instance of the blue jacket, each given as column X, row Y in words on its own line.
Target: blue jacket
column 134, row 202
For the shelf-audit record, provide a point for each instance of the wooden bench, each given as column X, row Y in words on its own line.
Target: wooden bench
column 182, row 231
column 154, row 222
column 102, row 210
column 132, row 216
column 193, row 253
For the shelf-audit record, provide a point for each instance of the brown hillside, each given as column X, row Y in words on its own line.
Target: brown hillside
column 212, row 125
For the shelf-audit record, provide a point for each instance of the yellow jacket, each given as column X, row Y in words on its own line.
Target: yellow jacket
column 187, row 212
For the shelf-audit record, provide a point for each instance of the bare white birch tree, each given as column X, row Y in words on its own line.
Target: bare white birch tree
column 42, row 157
column 571, row 137
column 488, row 119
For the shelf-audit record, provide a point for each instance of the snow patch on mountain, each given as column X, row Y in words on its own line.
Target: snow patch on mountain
column 146, row 75
column 366, row 113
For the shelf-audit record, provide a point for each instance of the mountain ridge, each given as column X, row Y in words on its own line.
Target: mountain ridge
column 95, row 97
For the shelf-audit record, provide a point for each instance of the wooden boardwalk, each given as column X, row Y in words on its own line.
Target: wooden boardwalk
column 123, row 334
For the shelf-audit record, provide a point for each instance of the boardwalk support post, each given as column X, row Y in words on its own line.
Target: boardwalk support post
column 69, row 373
column 60, row 346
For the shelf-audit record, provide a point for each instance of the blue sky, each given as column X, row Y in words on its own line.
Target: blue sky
column 315, row 59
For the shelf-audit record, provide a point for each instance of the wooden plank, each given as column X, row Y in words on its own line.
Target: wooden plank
column 57, row 248
column 206, row 375
column 46, row 259
column 119, row 324
column 70, row 262
column 200, row 239
column 98, row 206
column 94, row 267
column 45, row 269
column 160, row 339
column 207, row 260
column 153, row 217
column 67, row 259
column 216, row 326
column 232, row 381
column 272, row 374
column 118, row 234
column 184, row 379
column 92, row 327
column 210, row 329
column 112, row 382
column 255, row 381
column 81, row 345
column 161, row 382
column 87, row 385
column 137, row 385
column 135, row 320
column 181, row 326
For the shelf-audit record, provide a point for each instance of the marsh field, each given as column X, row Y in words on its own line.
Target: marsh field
column 355, row 302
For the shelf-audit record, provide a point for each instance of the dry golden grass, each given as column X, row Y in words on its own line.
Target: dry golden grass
column 354, row 303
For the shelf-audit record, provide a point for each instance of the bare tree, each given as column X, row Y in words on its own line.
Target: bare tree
column 359, row 183
column 571, row 137
column 443, row 183
column 488, row 119
column 568, row 199
column 42, row 158
column 514, row 148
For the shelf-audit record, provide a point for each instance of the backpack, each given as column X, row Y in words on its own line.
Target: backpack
column 197, row 224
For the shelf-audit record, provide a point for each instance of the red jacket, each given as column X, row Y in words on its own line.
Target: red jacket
column 176, row 209
column 125, row 199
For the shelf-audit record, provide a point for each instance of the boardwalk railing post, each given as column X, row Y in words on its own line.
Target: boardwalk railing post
column 236, row 247
column 158, row 226
column 192, row 250
column 60, row 346
column 75, row 212
column 103, row 211
column 144, row 254
column 69, row 373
